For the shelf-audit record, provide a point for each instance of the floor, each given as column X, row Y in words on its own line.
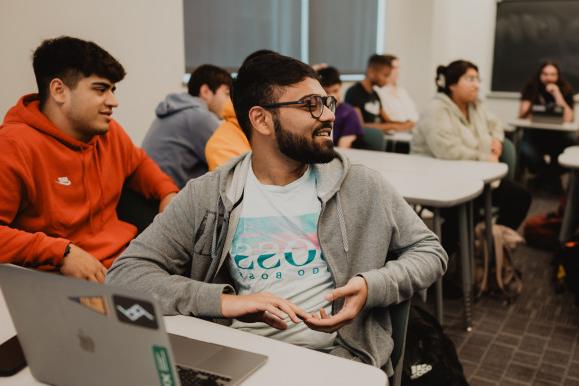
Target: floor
column 534, row 341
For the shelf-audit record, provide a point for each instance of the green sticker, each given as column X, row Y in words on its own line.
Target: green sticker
column 164, row 368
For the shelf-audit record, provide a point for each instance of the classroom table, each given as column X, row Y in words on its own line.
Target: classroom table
column 570, row 159
column 437, row 184
column 527, row 124
column 521, row 125
column 286, row 365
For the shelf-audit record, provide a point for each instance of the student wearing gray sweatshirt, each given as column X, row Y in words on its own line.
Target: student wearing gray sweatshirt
column 290, row 241
column 185, row 122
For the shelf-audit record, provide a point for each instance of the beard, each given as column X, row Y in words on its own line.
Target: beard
column 302, row 149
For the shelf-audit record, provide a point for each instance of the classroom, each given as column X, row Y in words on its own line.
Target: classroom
column 283, row 192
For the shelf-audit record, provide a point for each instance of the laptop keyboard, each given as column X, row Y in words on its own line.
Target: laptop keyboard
column 191, row 377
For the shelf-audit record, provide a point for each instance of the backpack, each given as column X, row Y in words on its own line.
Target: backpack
column 566, row 263
column 499, row 278
column 542, row 230
column 430, row 357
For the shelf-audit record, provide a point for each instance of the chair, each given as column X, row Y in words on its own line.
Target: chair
column 509, row 156
column 373, row 140
column 135, row 209
column 399, row 314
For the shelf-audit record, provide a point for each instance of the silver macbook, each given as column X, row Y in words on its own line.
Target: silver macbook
column 74, row 332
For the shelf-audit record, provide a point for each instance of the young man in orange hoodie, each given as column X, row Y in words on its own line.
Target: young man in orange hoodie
column 63, row 162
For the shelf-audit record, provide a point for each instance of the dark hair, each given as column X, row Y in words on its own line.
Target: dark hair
column 446, row 76
column 69, row 59
column 379, row 61
column 329, row 76
column 390, row 58
column 257, row 53
column 213, row 76
column 534, row 86
column 259, row 81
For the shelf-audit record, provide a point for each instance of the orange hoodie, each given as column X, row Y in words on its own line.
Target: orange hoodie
column 55, row 189
column 227, row 142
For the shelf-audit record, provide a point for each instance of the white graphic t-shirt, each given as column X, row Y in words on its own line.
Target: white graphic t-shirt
column 276, row 249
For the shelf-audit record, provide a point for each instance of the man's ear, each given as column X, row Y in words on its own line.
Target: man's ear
column 261, row 120
column 205, row 93
column 58, row 91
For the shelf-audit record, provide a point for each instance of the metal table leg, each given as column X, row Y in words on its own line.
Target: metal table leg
column 465, row 262
column 439, row 303
column 570, row 209
column 489, row 222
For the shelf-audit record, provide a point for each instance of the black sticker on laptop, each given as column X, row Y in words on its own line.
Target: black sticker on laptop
column 135, row 312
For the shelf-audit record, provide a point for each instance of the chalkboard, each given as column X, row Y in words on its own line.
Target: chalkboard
column 529, row 32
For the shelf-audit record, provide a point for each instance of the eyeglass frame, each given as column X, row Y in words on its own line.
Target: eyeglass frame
column 301, row 101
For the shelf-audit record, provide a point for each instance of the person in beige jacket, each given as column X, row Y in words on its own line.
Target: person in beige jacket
column 457, row 126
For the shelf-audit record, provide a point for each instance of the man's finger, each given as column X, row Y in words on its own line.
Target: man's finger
column 273, row 321
column 289, row 311
column 275, row 311
column 340, row 292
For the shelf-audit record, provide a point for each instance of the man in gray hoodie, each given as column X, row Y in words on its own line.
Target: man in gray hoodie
column 290, row 241
column 185, row 122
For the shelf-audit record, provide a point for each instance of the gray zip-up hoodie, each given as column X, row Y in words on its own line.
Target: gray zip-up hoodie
column 365, row 228
column 177, row 137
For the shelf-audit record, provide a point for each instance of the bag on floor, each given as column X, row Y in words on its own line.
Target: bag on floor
column 430, row 358
column 499, row 278
column 542, row 230
column 567, row 267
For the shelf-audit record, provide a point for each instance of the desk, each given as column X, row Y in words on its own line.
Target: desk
column 570, row 159
column 527, row 124
column 315, row 368
column 438, row 184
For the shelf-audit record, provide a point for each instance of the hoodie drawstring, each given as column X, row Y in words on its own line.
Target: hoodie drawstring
column 342, row 223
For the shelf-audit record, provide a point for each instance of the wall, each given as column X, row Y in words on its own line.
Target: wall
column 425, row 34
column 146, row 36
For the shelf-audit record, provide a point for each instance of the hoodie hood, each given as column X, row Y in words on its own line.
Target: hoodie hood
column 26, row 111
column 329, row 178
column 176, row 102
column 228, row 113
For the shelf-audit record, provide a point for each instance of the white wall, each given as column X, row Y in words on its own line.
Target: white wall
column 425, row 34
column 145, row 36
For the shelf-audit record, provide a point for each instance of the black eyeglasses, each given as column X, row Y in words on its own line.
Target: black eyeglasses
column 314, row 103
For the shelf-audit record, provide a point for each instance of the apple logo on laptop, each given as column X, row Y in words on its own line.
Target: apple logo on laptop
column 85, row 342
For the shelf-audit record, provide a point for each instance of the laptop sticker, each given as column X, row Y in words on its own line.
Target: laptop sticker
column 163, row 364
column 135, row 312
column 95, row 303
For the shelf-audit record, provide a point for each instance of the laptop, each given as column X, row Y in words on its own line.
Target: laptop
column 74, row 332
column 547, row 114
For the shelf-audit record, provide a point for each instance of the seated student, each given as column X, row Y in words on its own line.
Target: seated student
column 395, row 100
column 289, row 242
column 347, row 126
column 228, row 141
column 457, row 126
column 184, row 123
column 63, row 162
column 547, row 88
column 364, row 98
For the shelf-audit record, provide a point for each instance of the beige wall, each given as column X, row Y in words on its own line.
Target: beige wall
column 146, row 36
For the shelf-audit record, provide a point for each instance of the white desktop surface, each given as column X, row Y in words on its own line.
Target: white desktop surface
column 287, row 364
column 527, row 124
column 570, row 157
column 415, row 164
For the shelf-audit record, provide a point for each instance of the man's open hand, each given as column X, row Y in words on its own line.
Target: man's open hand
column 355, row 293
column 261, row 307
